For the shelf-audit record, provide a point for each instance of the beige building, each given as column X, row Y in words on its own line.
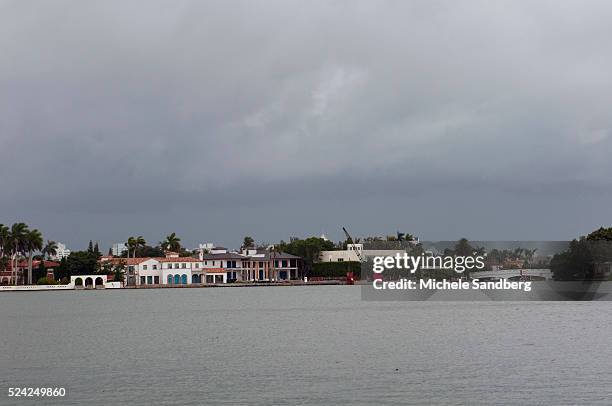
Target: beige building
column 352, row 251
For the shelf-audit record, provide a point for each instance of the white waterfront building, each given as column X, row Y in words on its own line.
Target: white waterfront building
column 169, row 270
column 347, row 255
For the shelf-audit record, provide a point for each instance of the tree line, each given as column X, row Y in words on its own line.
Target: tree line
column 19, row 242
column 587, row 258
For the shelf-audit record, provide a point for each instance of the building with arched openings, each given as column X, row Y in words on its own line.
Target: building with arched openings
column 169, row 270
column 217, row 266
column 89, row 281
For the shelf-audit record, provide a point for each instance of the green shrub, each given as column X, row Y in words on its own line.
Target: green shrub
column 335, row 269
column 45, row 281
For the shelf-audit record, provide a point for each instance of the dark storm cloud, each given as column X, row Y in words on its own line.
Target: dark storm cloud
column 216, row 119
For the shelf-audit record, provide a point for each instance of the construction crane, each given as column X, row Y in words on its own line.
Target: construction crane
column 349, row 275
column 349, row 238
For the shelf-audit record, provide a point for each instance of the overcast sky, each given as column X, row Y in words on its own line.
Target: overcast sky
column 484, row 119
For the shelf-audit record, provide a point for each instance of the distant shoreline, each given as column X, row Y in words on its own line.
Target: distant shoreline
column 62, row 288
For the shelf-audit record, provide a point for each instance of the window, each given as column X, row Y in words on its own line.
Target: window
column 183, row 265
column 284, row 263
column 261, row 265
column 131, row 268
column 156, row 279
column 340, row 259
column 154, row 266
column 142, row 280
column 149, row 280
column 144, row 267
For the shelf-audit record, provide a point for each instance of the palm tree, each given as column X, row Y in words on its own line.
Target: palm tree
column 17, row 246
column 134, row 243
column 4, row 238
column 172, row 243
column 409, row 237
column 4, row 246
column 248, row 242
column 50, row 249
column 33, row 242
column 131, row 245
column 4, row 243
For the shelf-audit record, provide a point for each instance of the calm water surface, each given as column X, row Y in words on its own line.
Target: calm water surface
column 302, row 345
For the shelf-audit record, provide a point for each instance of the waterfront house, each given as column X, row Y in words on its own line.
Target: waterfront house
column 266, row 265
column 169, row 270
column 230, row 262
column 214, row 265
column 6, row 276
column 252, row 265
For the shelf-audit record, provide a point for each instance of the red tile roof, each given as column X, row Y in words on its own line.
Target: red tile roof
column 179, row 259
column 136, row 261
column 126, row 261
column 35, row 264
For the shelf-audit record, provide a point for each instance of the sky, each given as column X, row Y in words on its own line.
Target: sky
column 488, row 119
